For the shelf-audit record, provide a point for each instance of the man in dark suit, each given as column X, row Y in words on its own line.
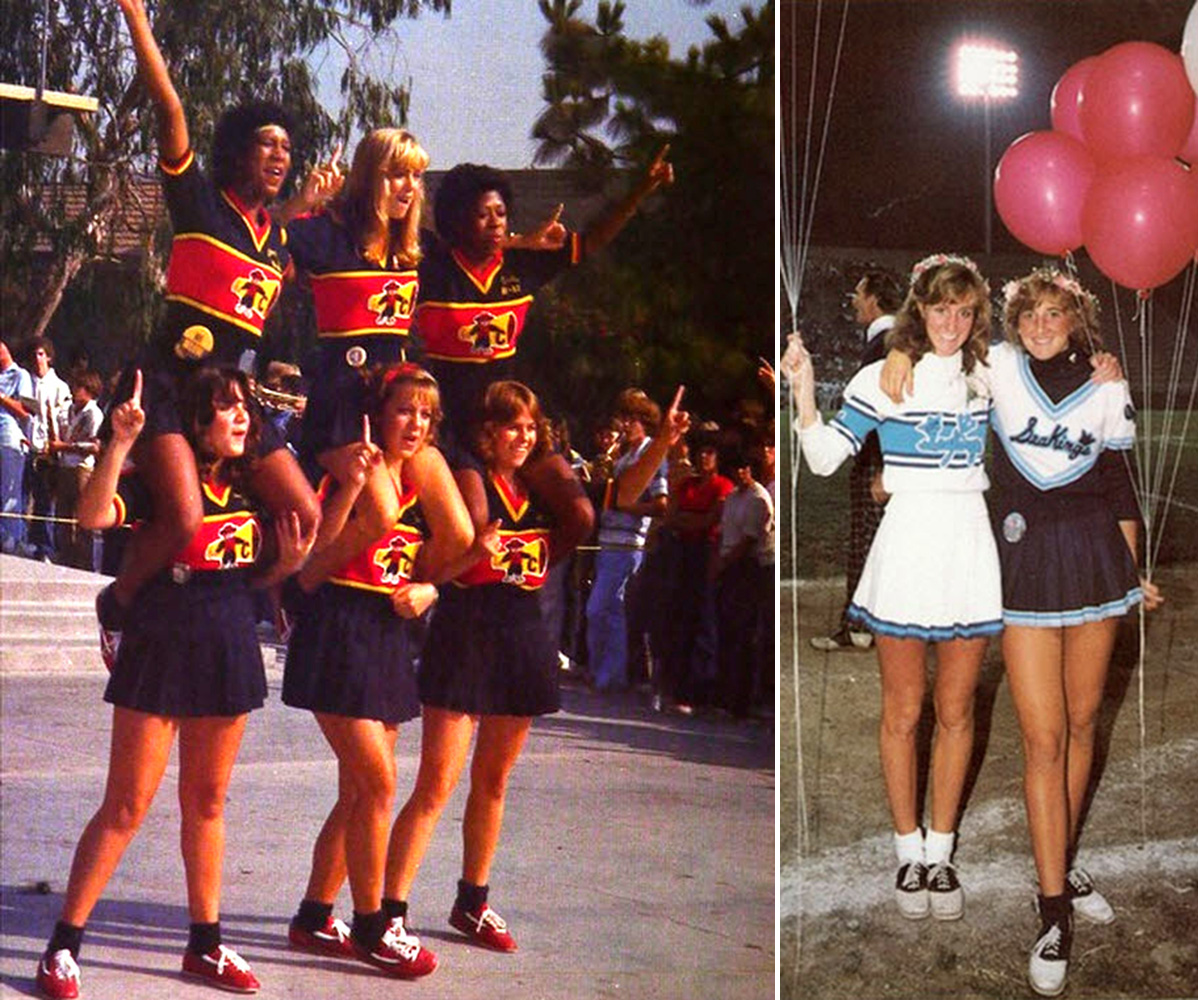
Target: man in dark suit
column 875, row 299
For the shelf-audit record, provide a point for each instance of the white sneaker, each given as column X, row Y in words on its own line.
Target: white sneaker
column 862, row 640
column 945, row 895
column 1049, row 962
column 911, row 890
column 1088, row 902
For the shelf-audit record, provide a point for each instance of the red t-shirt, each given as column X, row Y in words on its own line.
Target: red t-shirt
column 697, row 495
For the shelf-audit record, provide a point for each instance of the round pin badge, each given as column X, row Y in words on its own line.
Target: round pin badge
column 180, row 572
column 1014, row 527
column 355, row 357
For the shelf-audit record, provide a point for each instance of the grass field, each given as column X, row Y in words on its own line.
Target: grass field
column 821, row 516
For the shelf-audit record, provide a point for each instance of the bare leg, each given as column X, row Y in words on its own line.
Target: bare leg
column 445, row 742
column 902, row 663
column 329, row 869
column 140, row 748
column 364, row 748
column 208, row 747
column 1033, row 658
column 500, row 740
column 1088, row 651
column 551, row 480
column 168, row 467
column 959, row 661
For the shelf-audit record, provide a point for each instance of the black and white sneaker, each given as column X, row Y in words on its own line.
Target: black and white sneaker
column 1088, row 902
column 911, row 890
column 1049, row 962
column 945, row 896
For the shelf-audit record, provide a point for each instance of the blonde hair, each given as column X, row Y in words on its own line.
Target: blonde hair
column 952, row 280
column 359, row 204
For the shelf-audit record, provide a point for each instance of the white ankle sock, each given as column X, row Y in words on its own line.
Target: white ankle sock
column 939, row 846
column 909, row 846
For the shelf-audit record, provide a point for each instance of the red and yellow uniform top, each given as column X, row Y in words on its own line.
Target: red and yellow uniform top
column 352, row 295
column 470, row 318
column 225, row 271
column 230, row 535
column 386, row 566
column 523, row 560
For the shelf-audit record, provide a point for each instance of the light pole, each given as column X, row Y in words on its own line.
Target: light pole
column 987, row 71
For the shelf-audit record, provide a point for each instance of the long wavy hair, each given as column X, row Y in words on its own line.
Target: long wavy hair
column 503, row 403
column 948, row 282
column 359, row 204
column 205, row 392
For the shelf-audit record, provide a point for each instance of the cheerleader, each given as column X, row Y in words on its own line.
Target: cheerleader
column 227, row 263
column 489, row 664
column 932, row 573
column 350, row 661
column 189, row 664
column 475, row 297
column 1066, row 521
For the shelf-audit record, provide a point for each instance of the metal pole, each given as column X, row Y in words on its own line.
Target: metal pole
column 986, row 171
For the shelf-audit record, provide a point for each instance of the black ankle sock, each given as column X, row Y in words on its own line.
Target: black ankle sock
column 65, row 936
column 1055, row 909
column 313, row 915
column 203, row 938
column 368, row 928
column 393, row 908
column 471, row 898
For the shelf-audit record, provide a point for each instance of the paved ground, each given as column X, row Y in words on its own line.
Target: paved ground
column 637, row 858
column 841, row 936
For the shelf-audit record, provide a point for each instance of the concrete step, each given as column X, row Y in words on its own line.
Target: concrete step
column 29, row 580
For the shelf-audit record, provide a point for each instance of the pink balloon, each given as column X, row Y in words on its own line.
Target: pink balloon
column 1040, row 187
column 1137, row 101
column 1065, row 103
column 1140, row 221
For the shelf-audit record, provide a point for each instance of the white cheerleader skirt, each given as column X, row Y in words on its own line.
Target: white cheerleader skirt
column 932, row 572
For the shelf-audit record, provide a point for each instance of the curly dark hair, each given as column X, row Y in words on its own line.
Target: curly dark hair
column 235, row 133
column 383, row 381
column 206, row 391
column 947, row 282
column 458, row 194
column 503, row 403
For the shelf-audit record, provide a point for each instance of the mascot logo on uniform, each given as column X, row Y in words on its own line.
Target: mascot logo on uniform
column 233, row 545
column 953, row 440
column 255, row 293
column 396, row 560
column 488, row 333
column 393, row 303
column 522, row 561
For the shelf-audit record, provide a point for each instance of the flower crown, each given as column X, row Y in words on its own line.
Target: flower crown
column 1050, row 276
column 941, row 260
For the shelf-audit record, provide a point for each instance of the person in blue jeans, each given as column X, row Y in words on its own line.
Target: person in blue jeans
column 16, row 385
column 622, row 533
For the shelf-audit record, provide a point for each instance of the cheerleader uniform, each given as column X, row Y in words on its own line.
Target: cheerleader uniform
column 469, row 322
column 350, row 653
column 363, row 318
column 932, row 572
column 1062, row 485
column 224, row 276
column 489, row 651
column 189, row 645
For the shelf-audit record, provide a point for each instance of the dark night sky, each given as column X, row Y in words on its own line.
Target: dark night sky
column 905, row 158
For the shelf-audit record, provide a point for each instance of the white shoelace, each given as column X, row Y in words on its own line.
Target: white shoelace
column 338, row 928
column 1080, row 882
column 911, row 878
column 229, row 957
column 398, row 939
column 62, row 965
column 941, row 878
column 1050, row 943
column 491, row 919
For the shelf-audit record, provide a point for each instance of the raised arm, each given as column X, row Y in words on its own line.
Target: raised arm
column 659, row 174
column 173, row 140
column 633, row 480
column 95, row 510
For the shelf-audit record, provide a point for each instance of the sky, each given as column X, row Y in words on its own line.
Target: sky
column 476, row 76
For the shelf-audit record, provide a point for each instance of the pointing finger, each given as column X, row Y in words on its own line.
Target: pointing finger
column 135, row 397
column 677, row 398
column 365, row 429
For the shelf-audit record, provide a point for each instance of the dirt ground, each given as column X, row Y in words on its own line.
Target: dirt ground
column 841, row 935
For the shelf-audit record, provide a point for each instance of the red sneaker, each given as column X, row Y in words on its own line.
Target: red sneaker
column 485, row 927
column 58, row 975
column 331, row 939
column 398, row 953
column 223, row 968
